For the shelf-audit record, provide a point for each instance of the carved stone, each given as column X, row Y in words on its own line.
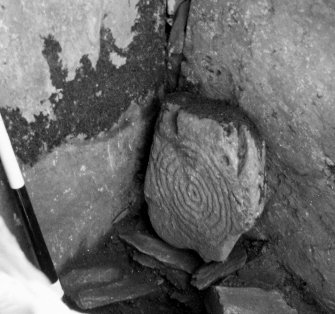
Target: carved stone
column 205, row 179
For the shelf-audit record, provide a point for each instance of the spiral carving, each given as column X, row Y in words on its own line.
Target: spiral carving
column 191, row 187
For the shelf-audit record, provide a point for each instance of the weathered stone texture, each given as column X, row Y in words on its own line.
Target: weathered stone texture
column 87, row 277
column 79, row 190
column 276, row 59
column 205, row 179
column 127, row 289
column 78, row 86
column 76, row 68
column 164, row 253
column 223, row 300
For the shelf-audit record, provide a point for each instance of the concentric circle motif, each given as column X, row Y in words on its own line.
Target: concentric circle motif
column 189, row 185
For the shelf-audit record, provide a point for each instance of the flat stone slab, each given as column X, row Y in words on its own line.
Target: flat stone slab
column 83, row 72
column 147, row 261
column 163, row 252
column 223, row 300
column 205, row 181
column 78, row 278
column 178, row 278
column 127, row 289
column 212, row 272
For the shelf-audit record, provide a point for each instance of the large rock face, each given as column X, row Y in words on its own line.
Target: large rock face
column 84, row 74
column 80, row 189
column 276, row 58
column 76, row 68
column 205, row 179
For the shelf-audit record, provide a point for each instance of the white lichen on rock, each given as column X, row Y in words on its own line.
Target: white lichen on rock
column 25, row 78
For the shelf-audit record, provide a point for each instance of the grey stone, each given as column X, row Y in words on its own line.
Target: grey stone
column 178, row 278
column 205, row 181
column 276, row 59
column 79, row 190
column 147, row 261
column 173, row 5
column 127, row 289
column 78, row 89
column 78, row 278
column 208, row 274
column 223, row 300
column 163, row 252
column 76, row 25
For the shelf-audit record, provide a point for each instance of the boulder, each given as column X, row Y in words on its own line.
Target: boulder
column 205, row 180
column 276, row 60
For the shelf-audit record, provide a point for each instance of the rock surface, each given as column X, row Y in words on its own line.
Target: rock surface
column 82, row 70
column 79, row 190
column 127, row 289
column 275, row 58
column 205, row 180
column 175, row 258
column 79, row 278
column 222, row 300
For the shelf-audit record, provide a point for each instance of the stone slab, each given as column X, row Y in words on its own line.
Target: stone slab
column 80, row 84
column 82, row 277
column 163, row 252
column 223, row 300
column 79, row 190
column 210, row 273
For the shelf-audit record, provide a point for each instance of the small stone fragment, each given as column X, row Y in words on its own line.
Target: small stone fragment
column 77, row 278
column 147, row 261
column 212, row 272
column 163, row 252
column 126, row 289
column 205, row 180
column 178, row 278
column 223, row 300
